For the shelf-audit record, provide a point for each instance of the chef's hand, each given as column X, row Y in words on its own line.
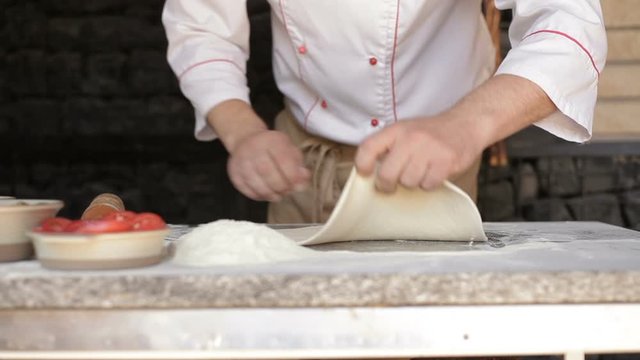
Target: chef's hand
column 266, row 165
column 263, row 164
column 425, row 152
column 418, row 153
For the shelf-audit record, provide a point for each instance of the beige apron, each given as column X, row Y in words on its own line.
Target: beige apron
column 330, row 164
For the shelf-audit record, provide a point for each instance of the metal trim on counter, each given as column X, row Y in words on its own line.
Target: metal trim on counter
column 321, row 333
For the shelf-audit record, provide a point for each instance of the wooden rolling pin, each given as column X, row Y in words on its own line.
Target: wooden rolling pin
column 102, row 205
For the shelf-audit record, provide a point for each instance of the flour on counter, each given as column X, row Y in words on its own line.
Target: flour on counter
column 229, row 242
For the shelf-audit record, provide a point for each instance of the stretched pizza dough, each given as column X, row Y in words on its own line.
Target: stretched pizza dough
column 362, row 213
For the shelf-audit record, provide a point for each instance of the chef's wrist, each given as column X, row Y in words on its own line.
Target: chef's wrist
column 233, row 121
column 476, row 125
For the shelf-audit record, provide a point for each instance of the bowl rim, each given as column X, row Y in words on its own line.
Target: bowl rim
column 45, row 204
column 58, row 235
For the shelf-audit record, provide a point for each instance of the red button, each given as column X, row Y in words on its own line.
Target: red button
column 375, row 122
column 324, row 104
column 302, row 49
column 373, row 61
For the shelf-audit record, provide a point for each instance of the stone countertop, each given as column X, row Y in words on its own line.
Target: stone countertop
column 523, row 263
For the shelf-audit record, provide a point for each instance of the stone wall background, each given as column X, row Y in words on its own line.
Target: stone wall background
column 88, row 104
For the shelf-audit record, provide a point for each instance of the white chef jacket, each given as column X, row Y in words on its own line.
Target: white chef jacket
column 348, row 68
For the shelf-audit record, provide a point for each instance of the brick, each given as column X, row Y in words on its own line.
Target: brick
column 66, row 34
column 84, row 116
column 162, row 181
column 150, row 35
column 25, row 26
column 38, row 117
column 168, row 115
column 45, row 175
column 122, row 115
column 26, row 73
column 624, row 45
column 105, row 74
column 621, row 13
column 527, row 184
column 6, row 123
column 26, row 191
column 3, row 77
column 628, row 171
column 598, row 207
column 553, row 209
column 150, row 74
column 67, row 7
column 558, row 176
column 106, row 33
column 631, row 202
column 598, row 174
column 620, row 81
column 101, row 6
column 148, row 9
column 64, row 73
column 113, row 33
column 95, row 116
column 73, row 7
column 496, row 201
column 491, row 174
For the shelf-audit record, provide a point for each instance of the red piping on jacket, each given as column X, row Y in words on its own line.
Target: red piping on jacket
column 570, row 38
column 208, row 62
column 306, row 116
column 393, row 64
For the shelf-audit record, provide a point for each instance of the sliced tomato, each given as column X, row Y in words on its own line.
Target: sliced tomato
column 74, row 225
column 57, row 224
column 102, row 226
column 148, row 221
column 122, row 216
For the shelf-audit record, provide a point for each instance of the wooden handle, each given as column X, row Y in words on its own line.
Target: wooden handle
column 102, row 205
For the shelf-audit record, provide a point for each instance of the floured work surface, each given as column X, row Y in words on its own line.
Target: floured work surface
column 522, row 263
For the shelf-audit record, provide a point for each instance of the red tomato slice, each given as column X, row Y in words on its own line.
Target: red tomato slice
column 148, row 221
column 74, row 225
column 57, row 224
column 102, row 226
column 122, row 216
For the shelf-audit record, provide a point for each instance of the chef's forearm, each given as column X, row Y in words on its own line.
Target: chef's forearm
column 502, row 106
column 234, row 120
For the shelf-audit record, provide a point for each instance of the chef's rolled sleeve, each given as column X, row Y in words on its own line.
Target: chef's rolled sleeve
column 561, row 46
column 208, row 51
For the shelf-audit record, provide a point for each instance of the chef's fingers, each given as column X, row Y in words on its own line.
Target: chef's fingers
column 235, row 175
column 414, row 172
column 258, row 185
column 437, row 174
column 267, row 180
column 289, row 161
column 391, row 168
column 372, row 149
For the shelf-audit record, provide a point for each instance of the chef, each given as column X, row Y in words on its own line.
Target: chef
column 405, row 90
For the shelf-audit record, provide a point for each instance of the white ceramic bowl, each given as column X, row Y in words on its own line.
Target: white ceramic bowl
column 120, row 250
column 18, row 216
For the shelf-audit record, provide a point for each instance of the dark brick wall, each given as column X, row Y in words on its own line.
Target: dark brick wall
column 88, row 104
column 553, row 180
